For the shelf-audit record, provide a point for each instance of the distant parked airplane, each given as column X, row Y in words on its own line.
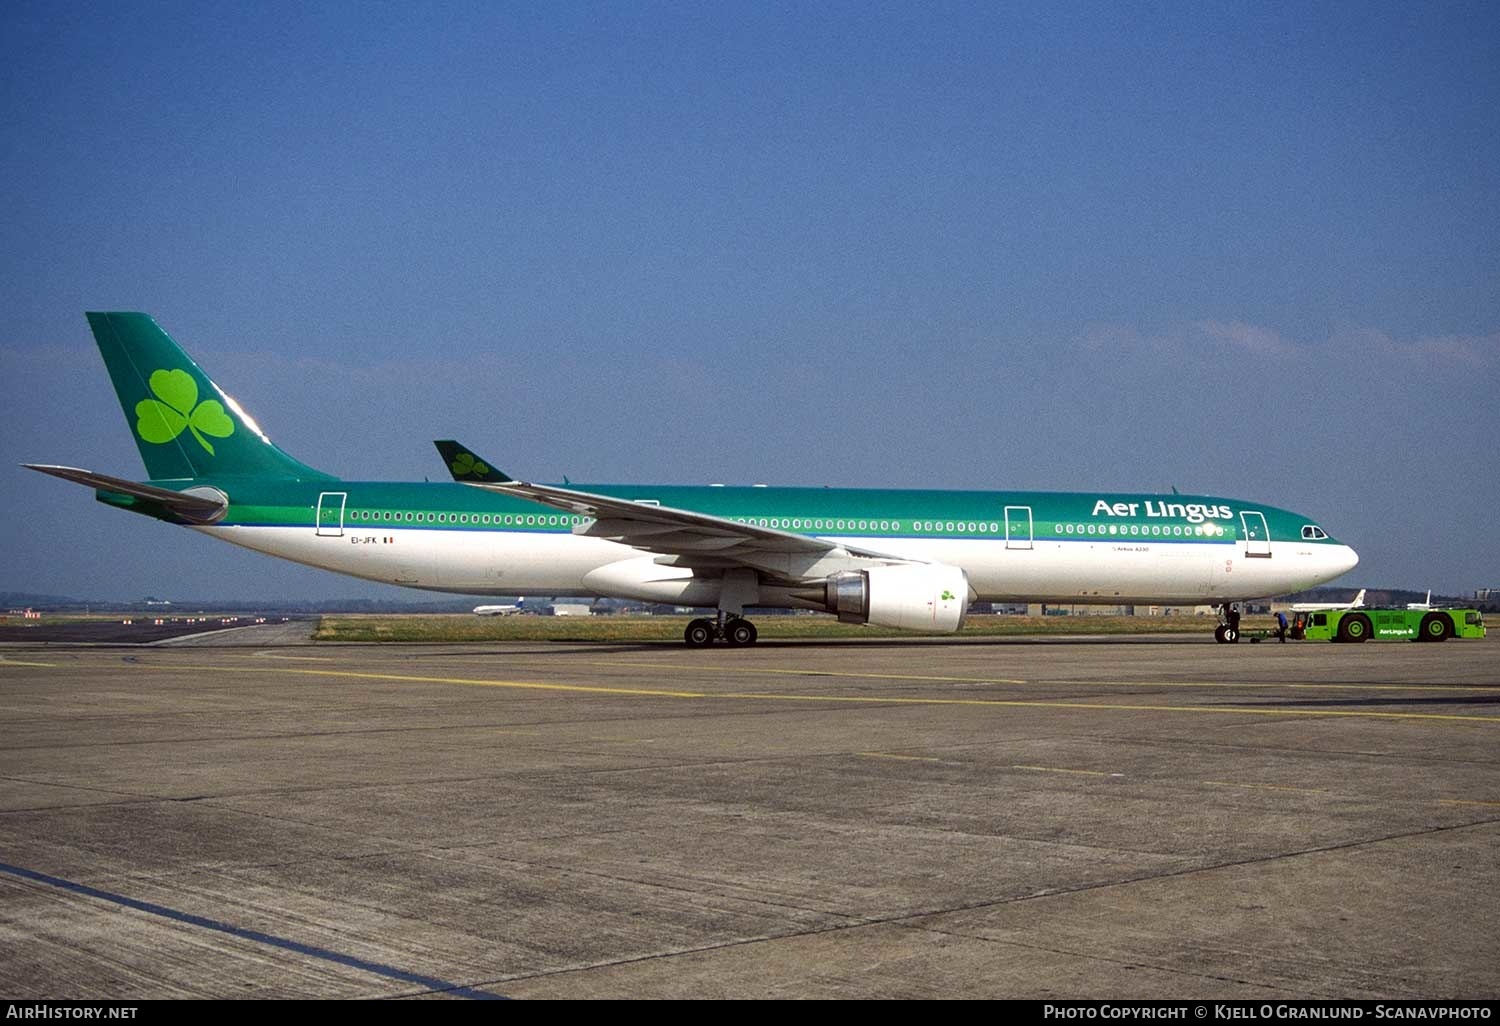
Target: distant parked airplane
column 497, row 610
column 1357, row 602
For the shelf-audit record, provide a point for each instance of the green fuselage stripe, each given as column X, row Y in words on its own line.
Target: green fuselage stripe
column 863, row 513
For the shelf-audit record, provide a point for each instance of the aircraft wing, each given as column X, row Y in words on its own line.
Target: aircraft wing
column 699, row 540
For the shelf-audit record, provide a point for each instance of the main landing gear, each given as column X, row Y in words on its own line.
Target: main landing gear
column 741, row 588
column 1228, row 631
column 734, row 631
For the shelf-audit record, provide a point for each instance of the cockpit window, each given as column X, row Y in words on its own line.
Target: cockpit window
column 1312, row 532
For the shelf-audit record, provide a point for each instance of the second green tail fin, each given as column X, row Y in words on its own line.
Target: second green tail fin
column 465, row 466
column 184, row 425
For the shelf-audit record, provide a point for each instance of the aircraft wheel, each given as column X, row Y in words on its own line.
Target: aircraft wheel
column 699, row 633
column 1231, row 635
column 1219, row 633
column 740, row 632
column 1436, row 627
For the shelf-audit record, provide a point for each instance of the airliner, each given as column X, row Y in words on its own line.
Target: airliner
column 506, row 610
column 1357, row 602
column 904, row 559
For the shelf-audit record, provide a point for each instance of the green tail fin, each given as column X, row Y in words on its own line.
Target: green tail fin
column 185, row 425
column 465, row 466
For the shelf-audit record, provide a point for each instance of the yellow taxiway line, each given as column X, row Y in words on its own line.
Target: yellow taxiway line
column 1008, row 703
column 801, row 673
column 1268, row 787
column 787, row 672
column 1060, row 769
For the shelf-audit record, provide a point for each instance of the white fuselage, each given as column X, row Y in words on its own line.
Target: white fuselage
column 497, row 562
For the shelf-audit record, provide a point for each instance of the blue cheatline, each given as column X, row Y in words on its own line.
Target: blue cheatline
column 389, row 972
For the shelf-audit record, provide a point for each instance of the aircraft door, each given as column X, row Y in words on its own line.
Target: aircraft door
column 1257, row 535
column 1018, row 527
column 331, row 514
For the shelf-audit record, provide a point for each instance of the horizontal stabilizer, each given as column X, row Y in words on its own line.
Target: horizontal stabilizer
column 205, row 508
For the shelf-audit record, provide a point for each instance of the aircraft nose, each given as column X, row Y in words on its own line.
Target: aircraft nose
column 1345, row 559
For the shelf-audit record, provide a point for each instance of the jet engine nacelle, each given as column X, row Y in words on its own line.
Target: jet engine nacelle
column 929, row 597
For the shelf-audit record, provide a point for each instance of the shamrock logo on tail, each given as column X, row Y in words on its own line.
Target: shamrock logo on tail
column 947, row 595
column 176, row 407
column 465, row 463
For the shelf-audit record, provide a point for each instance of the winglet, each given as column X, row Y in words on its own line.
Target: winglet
column 465, row 466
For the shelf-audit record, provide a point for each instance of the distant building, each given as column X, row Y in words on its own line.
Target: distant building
column 1079, row 609
column 1175, row 610
column 572, row 609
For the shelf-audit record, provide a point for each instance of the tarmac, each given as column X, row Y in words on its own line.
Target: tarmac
column 1105, row 818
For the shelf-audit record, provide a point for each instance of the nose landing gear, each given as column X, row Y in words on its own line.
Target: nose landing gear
column 1228, row 631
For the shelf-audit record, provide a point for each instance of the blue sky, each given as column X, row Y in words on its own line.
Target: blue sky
column 1249, row 250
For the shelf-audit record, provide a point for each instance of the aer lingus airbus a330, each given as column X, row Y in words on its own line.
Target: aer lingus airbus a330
column 908, row 559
